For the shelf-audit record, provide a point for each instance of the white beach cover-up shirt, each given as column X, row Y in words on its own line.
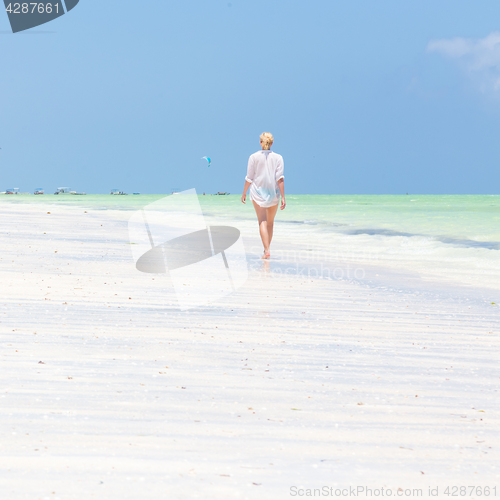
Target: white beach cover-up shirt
column 265, row 169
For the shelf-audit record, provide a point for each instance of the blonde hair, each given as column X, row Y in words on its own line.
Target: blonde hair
column 267, row 140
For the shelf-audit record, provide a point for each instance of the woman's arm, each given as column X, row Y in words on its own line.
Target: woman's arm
column 281, row 186
column 245, row 189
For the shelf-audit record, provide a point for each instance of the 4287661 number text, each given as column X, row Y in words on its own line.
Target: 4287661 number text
column 32, row 8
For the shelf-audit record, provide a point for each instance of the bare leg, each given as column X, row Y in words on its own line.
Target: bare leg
column 264, row 235
column 266, row 217
column 271, row 214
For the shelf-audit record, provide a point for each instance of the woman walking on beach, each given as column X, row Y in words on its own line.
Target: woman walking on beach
column 266, row 182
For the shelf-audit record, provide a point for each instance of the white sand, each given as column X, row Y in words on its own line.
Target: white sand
column 109, row 391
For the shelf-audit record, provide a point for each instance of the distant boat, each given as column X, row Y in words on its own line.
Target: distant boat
column 221, row 194
column 63, row 190
column 74, row 192
column 12, row 191
column 39, row 191
column 117, row 192
column 136, row 193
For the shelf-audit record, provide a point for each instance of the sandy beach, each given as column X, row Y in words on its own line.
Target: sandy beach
column 386, row 379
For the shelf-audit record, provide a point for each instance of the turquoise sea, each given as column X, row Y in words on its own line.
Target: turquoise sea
column 472, row 219
column 447, row 237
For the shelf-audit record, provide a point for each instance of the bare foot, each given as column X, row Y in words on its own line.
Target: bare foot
column 266, row 255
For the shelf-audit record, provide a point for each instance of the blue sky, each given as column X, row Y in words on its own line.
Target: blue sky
column 362, row 97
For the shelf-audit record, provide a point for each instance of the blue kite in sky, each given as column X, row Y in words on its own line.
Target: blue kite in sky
column 208, row 159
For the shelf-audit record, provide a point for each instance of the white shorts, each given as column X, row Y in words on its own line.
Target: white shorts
column 267, row 204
